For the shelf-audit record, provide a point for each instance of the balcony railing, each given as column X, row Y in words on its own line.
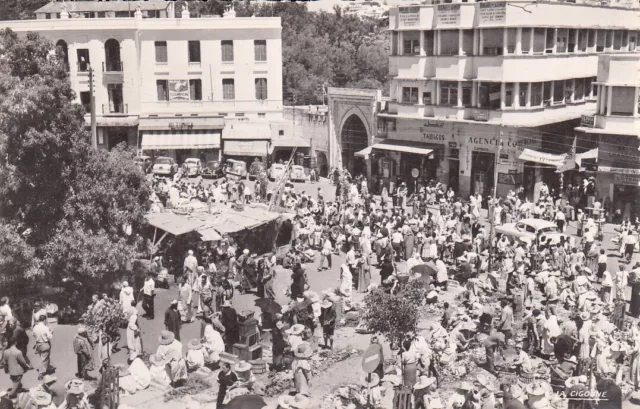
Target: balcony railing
column 115, row 109
column 112, row 66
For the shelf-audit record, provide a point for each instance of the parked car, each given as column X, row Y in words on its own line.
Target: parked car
column 165, row 166
column 213, row 169
column 297, row 174
column 144, row 163
column 527, row 230
column 255, row 169
column 192, row 166
column 236, row 168
column 276, row 171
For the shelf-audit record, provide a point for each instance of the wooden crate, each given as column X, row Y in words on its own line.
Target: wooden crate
column 403, row 399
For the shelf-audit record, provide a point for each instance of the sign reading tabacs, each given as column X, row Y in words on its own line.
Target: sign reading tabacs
column 492, row 12
column 448, row 14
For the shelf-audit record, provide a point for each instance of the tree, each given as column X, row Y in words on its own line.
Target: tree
column 64, row 207
column 20, row 9
column 394, row 315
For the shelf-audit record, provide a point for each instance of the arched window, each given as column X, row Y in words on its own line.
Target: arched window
column 353, row 138
column 62, row 46
column 112, row 56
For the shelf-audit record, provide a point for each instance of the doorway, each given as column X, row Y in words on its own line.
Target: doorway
column 482, row 168
column 454, row 170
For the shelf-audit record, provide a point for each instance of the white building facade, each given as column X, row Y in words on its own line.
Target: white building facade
column 171, row 86
column 474, row 80
column 610, row 137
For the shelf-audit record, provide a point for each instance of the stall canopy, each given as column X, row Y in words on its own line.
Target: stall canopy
column 402, row 146
column 529, row 155
column 201, row 139
column 213, row 224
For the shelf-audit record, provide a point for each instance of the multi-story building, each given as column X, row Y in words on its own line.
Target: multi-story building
column 470, row 81
column 610, row 137
column 183, row 87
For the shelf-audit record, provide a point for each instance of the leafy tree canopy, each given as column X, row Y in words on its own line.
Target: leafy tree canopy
column 65, row 209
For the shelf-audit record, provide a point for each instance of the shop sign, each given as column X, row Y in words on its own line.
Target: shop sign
column 493, row 12
column 178, row 90
column 180, row 126
column 409, row 16
column 453, row 145
column 622, row 171
column 481, row 114
column 448, row 14
column 616, row 149
column 509, row 146
column 588, row 121
column 431, row 131
column 626, row 179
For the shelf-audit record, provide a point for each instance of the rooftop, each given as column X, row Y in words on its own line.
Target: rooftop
column 95, row 6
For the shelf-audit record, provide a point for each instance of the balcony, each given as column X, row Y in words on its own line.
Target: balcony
column 115, row 109
column 112, row 72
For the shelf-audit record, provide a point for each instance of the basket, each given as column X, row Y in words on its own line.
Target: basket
column 258, row 367
column 403, row 278
column 527, row 378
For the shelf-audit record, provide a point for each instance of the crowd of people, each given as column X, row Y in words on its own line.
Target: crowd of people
column 528, row 305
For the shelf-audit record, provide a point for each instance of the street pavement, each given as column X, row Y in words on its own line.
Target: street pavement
column 64, row 358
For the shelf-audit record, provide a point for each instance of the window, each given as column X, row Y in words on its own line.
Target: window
column 601, row 40
column 428, row 42
column 538, row 40
column 525, row 44
column 492, row 41
column 153, row 14
column 558, row 92
column 260, row 50
column 548, row 97
column 561, row 41
column 262, row 115
column 511, row 40
column 592, row 86
column 409, row 95
column 522, row 94
column 578, row 93
column 280, row 132
column 228, row 88
column 448, row 93
column 261, row 88
column 124, row 14
column 449, row 42
column 195, row 90
column 467, row 42
column 394, row 43
column 411, row 42
column 632, row 41
column 48, row 16
column 426, row 98
column 163, row 90
column 194, row 51
column 227, row 51
column 102, row 14
column 239, row 114
column 89, row 15
column 83, row 60
column 536, row 94
column 489, row 95
column 85, row 100
column 467, row 88
column 161, row 52
column 508, row 95
column 623, row 101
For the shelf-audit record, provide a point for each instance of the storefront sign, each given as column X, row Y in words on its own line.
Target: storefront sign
column 493, row 12
column 434, row 124
column 616, row 149
column 178, row 90
column 409, row 16
column 509, row 146
column 627, row 180
column 481, row 114
column 428, row 131
column 588, row 121
column 180, row 126
column 453, row 145
column 448, row 14
column 622, row 171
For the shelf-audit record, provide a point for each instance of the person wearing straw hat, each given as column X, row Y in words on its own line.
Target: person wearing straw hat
column 295, row 335
column 328, row 322
column 425, row 394
column 75, row 397
column 245, row 381
column 43, row 400
column 195, row 355
column 158, row 371
column 170, row 351
column 301, row 367
column 487, row 392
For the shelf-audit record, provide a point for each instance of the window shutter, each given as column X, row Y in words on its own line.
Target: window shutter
column 162, row 90
column 260, row 50
column 161, row 51
column 228, row 88
column 227, row 50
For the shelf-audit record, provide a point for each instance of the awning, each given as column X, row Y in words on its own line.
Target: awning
column 542, row 157
column 114, row 121
column 402, row 146
column 293, row 142
column 181, row 140
column 247, row 130
column 246, row 148
column 364, row 153
column 209, row 234
column 190, row 123
column 173, row 223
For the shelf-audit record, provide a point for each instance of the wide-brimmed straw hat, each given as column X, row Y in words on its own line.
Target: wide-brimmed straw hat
column 242, row 366
column 166, row 337
column 584, row 315
column 296, row 329
column 49, row 379
column 300, row 401
column 313, row 296
column 194, row 344
column 42, row 398
column 75, row 386
column 424, row 382
column 326, row 303
column 303, row 350
column 572, row 359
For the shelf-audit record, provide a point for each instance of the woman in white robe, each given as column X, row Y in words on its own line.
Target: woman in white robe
column 213, row 345
column 134, row 343
column 346, row 280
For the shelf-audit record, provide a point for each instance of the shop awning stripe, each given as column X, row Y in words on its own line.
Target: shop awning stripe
column 185, row 140
column 402, row 148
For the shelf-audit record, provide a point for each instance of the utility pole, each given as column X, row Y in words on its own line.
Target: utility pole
column 94, row 129
column 492, row 206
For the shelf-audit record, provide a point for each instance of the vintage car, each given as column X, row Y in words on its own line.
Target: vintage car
column 527, row 230
column 297, row 174
column 192, row 167
column 144, row 163
column 236, row 169
column 164, row 166
column 276, row 171
column 213, row 169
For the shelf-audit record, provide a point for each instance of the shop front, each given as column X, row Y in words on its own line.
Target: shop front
column 243, row 140
column 117, row 130
column 181, row 138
